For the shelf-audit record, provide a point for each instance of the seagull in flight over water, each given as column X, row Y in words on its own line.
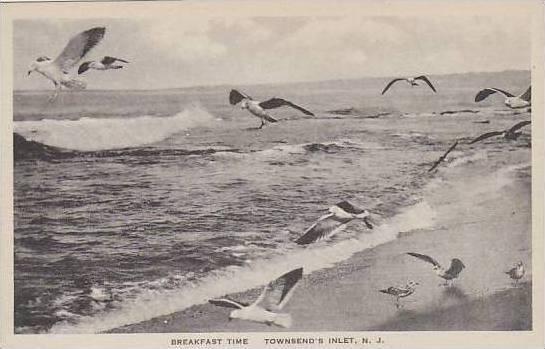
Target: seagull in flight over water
column 273, row 298
column 456, row 267
column 258, row 108
column 105, row 63
column 58, row 70
column 401, row 291
column 517, row 272
column 509, row 134
column 336, row 220
column 411, row 81
column 443, row 157
column 513, row 102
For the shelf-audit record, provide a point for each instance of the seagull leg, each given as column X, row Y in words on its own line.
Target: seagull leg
column 55, row 94
column 262, row 124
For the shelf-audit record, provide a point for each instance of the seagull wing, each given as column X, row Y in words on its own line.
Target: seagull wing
column 350, row 207
column 425, row 258
column 279, row 102
column 443, row 156
column 519, row 125
column 109, row 60
column 325, row 227
column 235, row 97
column 527, row 95
column 486, row 135
column 227, row 303
column 390, row 84
column 78, row 47
column 427, row 81
column 482, row 94
column 83, row 67
column 455, row 268
column 278, row 292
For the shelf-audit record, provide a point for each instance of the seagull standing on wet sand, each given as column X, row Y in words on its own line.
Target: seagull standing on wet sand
column 105, row 63
column 273, row 298
column 401, row 291
column 257, row 108
column 456, row 267
column 517, row 272
column 514, row 102
column 330, row 224
column 58, row 70
column 411, row 81
column 443, row 157
column 509, row 134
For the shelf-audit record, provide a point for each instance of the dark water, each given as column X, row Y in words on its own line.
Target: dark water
column 160, row 199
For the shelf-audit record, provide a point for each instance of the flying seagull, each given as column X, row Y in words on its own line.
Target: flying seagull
column 450, row 274
column 105, row 63
column 273, row 298
column 517, row 272
column 58, row 70
column 401, row 291
column 258, row 108
column 411, row 81
column 514, row 102
column 510, row 134
column 443, row 157
column 336, row 220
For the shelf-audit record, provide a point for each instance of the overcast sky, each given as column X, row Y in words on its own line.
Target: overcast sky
column 166, row 53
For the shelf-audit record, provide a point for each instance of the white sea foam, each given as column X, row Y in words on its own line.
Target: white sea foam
column 88, row 134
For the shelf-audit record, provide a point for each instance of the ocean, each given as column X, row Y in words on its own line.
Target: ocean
column 134, row 204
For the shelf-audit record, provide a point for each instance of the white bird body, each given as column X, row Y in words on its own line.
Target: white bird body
column 517, row 272
column 254, row 108
column 514, row 102
column 257, row 314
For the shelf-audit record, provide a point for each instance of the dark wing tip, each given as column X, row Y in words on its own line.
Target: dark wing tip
column 83, row 67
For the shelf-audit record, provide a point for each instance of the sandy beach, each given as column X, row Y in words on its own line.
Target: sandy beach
column 464, row 198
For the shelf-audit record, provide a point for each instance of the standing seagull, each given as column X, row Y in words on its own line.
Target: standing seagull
column 443, row 157
column 411, row 82
column 517, row 272
column 330, row 224
column 273, row 298
column 58, row 70
column 509, row 134
column 258, row 108
column 450, row 274
column 105, row 63
column 401, row 291
column 513, row 102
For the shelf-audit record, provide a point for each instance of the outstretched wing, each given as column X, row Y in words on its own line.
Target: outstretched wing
column 486, row 135
column 279, row 102
column 527, row 96
column 519, row 125
column 425, row 258
column 227, row 303
column 427, row 81
column 390, row 84
column 236, row 96
column 325, row 227
column 482, row 94
column 109, row 60
column 455, row 268
column 443, row 156
column 278, row 292
column 78, row 47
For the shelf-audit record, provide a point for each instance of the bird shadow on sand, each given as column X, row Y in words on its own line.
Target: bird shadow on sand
column 454, row 292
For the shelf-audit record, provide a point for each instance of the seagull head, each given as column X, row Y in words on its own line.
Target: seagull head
column 412, row 284
column 244, row 104
column 42, row 60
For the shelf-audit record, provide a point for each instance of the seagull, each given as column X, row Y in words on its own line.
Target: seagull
column 410, row 81
column 401, row 291
column 509, row 134
column 58, row 70
column 273, row 298
column 513, row 102
column 517, row 272
column 258, row 108
column 450, row 274
column 330, row 224
column 105, row 63
column 443, row 157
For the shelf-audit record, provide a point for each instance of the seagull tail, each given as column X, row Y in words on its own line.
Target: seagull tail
column 282, row 320
column 74, row 84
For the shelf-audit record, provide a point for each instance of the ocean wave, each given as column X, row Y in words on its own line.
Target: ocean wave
column 152, row 303
column 92, row 134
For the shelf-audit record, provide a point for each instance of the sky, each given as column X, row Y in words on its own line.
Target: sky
column 171, row 53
